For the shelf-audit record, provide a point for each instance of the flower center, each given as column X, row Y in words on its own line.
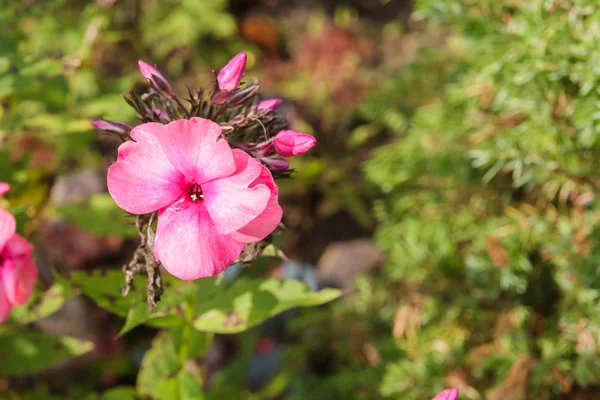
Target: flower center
column 195, row 192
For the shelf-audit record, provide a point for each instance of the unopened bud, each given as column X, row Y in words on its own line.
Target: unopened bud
column 270, row 104
column 162, row 115
column 291, row 143
column 231, row 74
column 155, row 78
column 277, row 164
column 115, row 127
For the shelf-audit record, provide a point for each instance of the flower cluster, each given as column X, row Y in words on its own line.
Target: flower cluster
column 207, row 169
column 17, row 268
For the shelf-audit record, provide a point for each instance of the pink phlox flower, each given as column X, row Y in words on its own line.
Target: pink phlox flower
column 230, row 75
column 17, row 268
column 448, row 394
column 210, row 199
column 291, row 143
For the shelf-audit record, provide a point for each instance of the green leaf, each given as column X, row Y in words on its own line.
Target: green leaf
column 29, row 352
column 162, row 375
column 100, row 215
column 249, row 302
column 104, row 287
column 43, row 304
column 117, row 393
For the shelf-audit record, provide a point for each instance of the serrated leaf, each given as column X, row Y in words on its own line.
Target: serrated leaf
column 29, row 352
column 249, row 302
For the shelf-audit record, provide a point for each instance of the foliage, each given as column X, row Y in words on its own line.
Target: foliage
column 490, row 218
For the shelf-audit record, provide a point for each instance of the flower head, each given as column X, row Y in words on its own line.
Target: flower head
column 210, row 199
column 448, row 394
column 17, row 269
column 291, row 143
column 230, row 75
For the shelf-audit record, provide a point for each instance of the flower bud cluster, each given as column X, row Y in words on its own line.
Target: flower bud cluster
column 248, row 122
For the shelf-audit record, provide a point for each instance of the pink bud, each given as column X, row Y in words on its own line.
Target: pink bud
column 4, row 187
column 270, row 104
column 162, row 115
column 291, row 143
column 230, row 76
column 117, row 127
column 155, row 78
column 448, row 394
column 277, row 164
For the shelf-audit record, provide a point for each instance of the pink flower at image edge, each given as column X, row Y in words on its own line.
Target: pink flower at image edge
column 210, row 199
column 17, row 268
column 448, row 394
column 291, row 143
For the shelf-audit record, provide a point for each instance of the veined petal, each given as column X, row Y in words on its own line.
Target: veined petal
column 266, row 222
column 232, row 202
column 196, row 151
column 143, row 179
column 188, row 243
column 8, row 225
column 18, row 276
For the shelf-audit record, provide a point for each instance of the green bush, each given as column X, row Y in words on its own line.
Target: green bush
column 489, row 214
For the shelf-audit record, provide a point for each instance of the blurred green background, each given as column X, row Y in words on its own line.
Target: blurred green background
column 451, row 198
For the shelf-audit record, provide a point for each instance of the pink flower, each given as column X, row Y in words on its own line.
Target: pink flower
column 448, row 394
column 270, row 104
column 17, row 269
column 230, row 76
column 292, row 143
column 155, row 78
column 210, row 199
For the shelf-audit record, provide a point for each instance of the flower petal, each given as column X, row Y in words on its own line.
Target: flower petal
column 196, row 151
column 18, row 276
column 188, row 244
column 231, row 201
column 16, row 246
column 143, row 179
column 266, row 222
column 5, row 305
column 8, row 225
column 448, row 394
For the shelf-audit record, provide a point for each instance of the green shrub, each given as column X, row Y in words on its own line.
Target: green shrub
column 489, row 214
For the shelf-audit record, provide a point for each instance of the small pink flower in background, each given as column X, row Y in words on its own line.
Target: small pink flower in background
column 271, row 104
column 211, row 200
column 155, row 78
column 291, row 143
column 448, row 394
column 230, row 75
column 17, row 269
column 4, row 187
